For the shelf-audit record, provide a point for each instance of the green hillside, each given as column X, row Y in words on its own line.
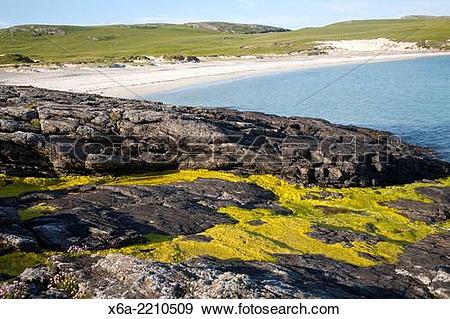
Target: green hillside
column 119, row 42
column 241, row 28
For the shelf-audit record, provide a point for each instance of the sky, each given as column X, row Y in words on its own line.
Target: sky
column 291, row 14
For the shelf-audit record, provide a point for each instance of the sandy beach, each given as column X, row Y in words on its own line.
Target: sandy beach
column 132, row 81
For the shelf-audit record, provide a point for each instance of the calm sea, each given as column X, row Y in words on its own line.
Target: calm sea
column 410, row 98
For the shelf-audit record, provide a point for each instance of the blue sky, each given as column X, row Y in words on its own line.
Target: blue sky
column 287, row 13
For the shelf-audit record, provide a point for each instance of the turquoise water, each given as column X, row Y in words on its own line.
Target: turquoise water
column 410, row 98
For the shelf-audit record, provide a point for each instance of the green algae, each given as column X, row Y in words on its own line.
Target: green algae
column 174, row 177
column 446, row 225
column 364, row 206
column 16, row 186
column 36, row 211
column 357, row 209
column 157, row 238
column 36, row 123
column 14, row 264
column 279, row 234
column 361, row 210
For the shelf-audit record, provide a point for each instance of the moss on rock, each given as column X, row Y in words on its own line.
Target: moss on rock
column 36, row 211
column 12, row 265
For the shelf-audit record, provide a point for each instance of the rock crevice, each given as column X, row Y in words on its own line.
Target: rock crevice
column 45, row 132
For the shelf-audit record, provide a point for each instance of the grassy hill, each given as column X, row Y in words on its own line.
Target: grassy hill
column 118, row 42
column 236, row 27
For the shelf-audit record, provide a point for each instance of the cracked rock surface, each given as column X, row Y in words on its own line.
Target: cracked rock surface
column 430, row 213
column 44, row 132
column 101, row 217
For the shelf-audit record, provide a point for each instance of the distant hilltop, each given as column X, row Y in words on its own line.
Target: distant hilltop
column 228, row 27
column 223, row 27
column 425, row 17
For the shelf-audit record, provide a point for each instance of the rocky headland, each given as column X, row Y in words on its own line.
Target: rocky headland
column 45, row 133
column 221, row 204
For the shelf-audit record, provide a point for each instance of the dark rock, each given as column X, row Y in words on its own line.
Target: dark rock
column 335, row 235
column 8, row 216
column 438, row 194
column 53, row 233
column 427, row 212
column 200, row 238
column 421, row 272
column 17, row 238
column 427, row 262
column 8, row 93
column 193, row 59
column 256, row 222
column 45, row 132
column 84, row 134
column 99, row 217
column 324, row 195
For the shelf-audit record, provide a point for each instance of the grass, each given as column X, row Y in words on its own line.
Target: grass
column 356, row 209
column 14, row 59
column 119, row 42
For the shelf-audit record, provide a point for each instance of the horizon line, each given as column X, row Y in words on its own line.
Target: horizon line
column 413, row 16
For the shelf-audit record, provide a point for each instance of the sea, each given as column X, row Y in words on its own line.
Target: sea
column 410, row 98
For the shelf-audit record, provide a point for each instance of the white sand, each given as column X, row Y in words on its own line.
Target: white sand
column 374, row 45
column 136, row 81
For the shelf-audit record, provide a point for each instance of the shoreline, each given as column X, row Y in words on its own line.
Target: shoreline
column 138, row 81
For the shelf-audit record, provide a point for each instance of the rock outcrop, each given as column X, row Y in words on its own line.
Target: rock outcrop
column 422, row 272
column 45, row 132
column 101, row 217
column 429, row 213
